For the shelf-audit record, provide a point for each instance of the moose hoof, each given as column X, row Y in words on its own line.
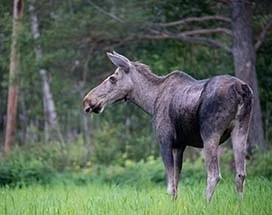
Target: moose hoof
column 173, row 193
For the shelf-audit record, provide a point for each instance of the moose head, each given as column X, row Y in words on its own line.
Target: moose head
column 114, row 88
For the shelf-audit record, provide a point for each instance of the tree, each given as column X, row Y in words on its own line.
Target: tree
column 13, row 74
column 51, row 119
column 244, row 57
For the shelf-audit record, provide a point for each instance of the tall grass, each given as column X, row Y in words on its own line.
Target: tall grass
column 40, row 185
column 101, row 198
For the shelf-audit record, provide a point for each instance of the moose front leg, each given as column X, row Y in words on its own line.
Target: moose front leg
column 168, row 160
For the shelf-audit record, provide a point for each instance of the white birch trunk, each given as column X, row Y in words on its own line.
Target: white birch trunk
column 50, row 114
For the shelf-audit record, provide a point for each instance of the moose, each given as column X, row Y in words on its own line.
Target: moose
column 185, row 112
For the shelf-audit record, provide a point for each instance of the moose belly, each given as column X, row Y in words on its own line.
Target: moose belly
column 188, row 133
column 190, row 136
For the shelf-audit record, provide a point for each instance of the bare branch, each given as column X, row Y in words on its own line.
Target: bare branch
column 105, row 12
column 227, row 2
column 194, row 19
column 263, row 33
column 193, row 40
column 123, row 41
column 208, row 42
column 190, row 36
column 207, row 31
column 163, row 36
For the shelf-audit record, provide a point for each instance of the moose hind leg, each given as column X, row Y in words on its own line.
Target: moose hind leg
column 177, row 156
column 239, row 139
column 212, row 164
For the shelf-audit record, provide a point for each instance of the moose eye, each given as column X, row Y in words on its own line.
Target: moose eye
column 112, row 80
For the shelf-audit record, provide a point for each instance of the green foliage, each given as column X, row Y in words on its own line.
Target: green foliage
column 138, row 174
column 264, row 68
column 107, row 147
column 39, row 163
column 54, row 163
column 22, row 167
column 260, row 165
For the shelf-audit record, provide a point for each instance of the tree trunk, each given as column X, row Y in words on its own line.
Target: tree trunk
column 50, row 114
column 244, row 56
column 13, row 75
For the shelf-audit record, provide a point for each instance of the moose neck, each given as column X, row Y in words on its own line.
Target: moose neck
column 145, row 90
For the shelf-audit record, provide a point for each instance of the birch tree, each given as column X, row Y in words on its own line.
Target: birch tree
column 50, row 114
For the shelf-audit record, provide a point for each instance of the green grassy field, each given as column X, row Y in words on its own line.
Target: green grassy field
column 98, row 198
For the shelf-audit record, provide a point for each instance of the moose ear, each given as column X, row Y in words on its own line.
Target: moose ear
column 119, row 60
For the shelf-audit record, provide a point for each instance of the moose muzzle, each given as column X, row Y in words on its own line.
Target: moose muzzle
column 91, row 105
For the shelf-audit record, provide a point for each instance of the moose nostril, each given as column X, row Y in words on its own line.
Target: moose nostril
column 87, row 109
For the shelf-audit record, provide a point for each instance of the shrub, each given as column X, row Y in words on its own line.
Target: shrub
column 133, row 174
column 260, row 165
column 21, row 167
column 107, row 146
column 38, row 163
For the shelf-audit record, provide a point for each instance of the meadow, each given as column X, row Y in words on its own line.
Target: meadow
column 150, row 198
column 29, row 185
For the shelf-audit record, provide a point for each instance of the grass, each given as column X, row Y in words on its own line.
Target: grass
column 102, row 198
